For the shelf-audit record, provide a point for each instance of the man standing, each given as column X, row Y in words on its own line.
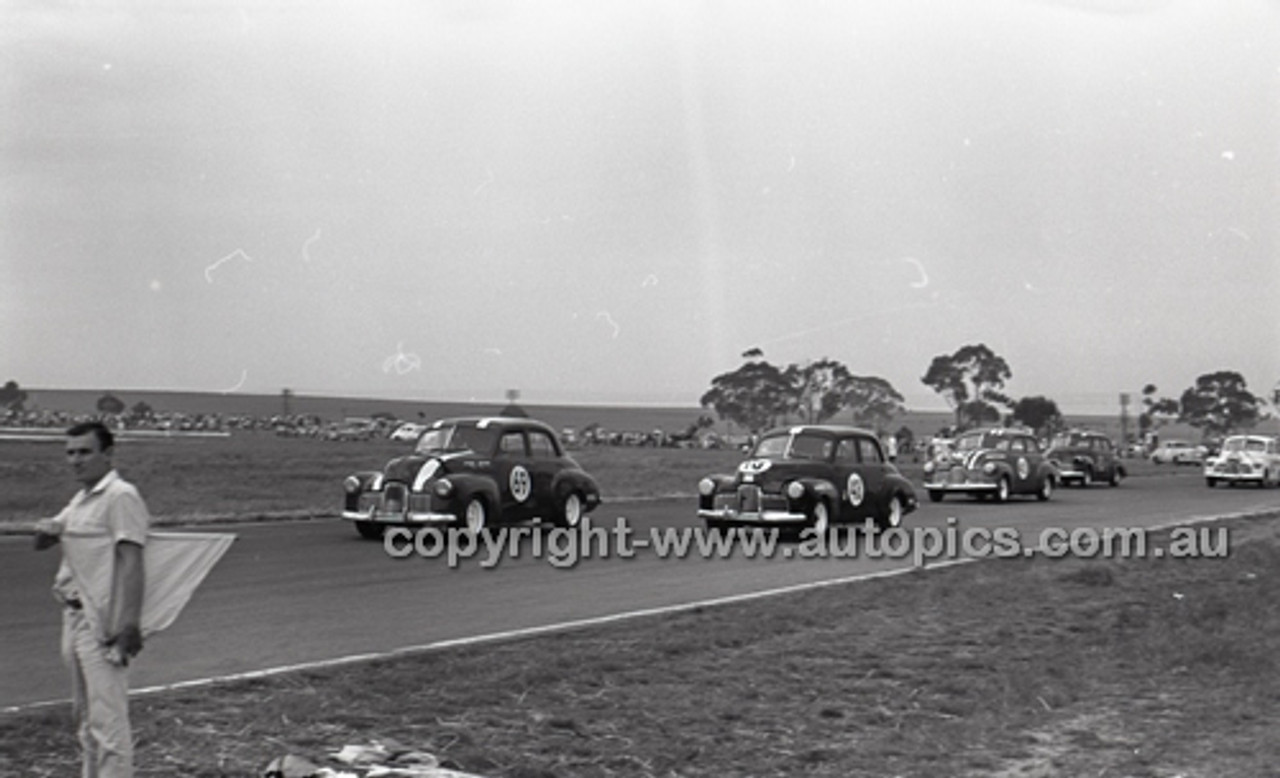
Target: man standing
column 98, row 642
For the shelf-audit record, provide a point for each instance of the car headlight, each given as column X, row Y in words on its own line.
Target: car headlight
column 795, row 490
column 351, row 484
column 706, row 487
column 929, row 467
column 443, row 488
column 989, row 468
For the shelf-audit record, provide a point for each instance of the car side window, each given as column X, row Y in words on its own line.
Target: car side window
column 869, row 451
column 511, row 445
column 541, row 445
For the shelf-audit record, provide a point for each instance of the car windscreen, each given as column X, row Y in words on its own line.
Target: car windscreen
column 463, row 437
column 972, row 443
column 771, row 446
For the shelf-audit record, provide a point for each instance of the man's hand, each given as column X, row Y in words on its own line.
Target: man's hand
column 47, row 532
column 127, row 643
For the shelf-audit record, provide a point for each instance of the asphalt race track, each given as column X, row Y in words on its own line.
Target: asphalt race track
column 299, row 592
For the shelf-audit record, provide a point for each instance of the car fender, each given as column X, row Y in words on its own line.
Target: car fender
column 468, row 485
column 567, row 481
column 821, row 488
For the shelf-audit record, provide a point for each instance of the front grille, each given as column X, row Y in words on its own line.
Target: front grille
column 957, row 475
column 749, row 499
column 393, row 498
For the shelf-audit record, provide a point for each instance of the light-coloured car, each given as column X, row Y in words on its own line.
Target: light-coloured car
column 1178, row 452
column 1253, row 459
column 409, row 431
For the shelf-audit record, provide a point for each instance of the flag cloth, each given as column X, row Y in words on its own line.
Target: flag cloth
column 174, row 564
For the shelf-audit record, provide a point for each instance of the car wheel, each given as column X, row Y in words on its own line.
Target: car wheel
column 571, row 510
column 1046, row 489
column 1087, row 478
column 1114, row 479
column 1266, row 480
column 476, row 516
column 1211, row 482
column 369, row 530
column 1002, row 489
column 893, row 518
column 821, row 520
column 936, row 495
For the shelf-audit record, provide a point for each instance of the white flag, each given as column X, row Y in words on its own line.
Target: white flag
column 174, row 564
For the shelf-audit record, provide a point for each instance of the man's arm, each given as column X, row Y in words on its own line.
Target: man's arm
column 126, row 613
column 47, row 532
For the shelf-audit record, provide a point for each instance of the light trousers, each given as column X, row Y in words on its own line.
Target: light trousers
column 100, row 700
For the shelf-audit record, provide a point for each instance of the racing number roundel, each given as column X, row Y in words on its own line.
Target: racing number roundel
column 856, row 489
column 1024, row 469
column 521, row 483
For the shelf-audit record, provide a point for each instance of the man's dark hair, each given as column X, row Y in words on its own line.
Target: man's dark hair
column 99, row 430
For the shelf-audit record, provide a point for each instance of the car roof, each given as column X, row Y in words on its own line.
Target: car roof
column 821, row 429
column 498, row 422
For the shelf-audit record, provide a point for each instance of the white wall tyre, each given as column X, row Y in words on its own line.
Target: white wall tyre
column 1002, row 489
column 1046, row 490
column 476, row 516
column 571, row 510
column 893, row 518
column 821, row 519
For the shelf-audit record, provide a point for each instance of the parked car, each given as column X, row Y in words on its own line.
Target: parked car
column 1251, row 459
column 809, row 476
column 991, row 463
column 473, row 472
column 1085, row 457
column 352, row 429
column 1178, row 452
column 408, row 431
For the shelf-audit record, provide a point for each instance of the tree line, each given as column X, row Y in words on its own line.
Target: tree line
column 971, row 380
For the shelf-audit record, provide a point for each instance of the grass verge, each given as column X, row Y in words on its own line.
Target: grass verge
column 1029, row 667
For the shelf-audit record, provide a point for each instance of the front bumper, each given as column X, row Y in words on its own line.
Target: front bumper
column 752, row 517
column 961, row 480
column 374, row 516
column 1234, row 474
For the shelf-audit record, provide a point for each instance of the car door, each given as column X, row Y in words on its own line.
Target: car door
column 545, row 462
column 1024, row 455
column 513, row 477
column 871, row 468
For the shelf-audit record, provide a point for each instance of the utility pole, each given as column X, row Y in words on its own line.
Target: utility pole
column 1124, row 421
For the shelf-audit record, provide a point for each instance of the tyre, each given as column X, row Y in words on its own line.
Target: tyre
column 1114, row 479
column 476, row 516
column 893, row 518
column 369, row 530
column 1087, row 478
column 1211, row 482
column 1046, row 489
column 570, row 510
column 936, row 495
column 820, row 521
column 1002, row 489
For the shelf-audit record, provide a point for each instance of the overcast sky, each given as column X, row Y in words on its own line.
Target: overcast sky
column 609, row 201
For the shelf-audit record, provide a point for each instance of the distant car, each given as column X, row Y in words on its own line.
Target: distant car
column 407, row 431
column 809, row 476
column 1085, row 457
column 991, row 463
column 352, row 429
column 1178, row 452
column 472, row 473
column 1251, row 459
